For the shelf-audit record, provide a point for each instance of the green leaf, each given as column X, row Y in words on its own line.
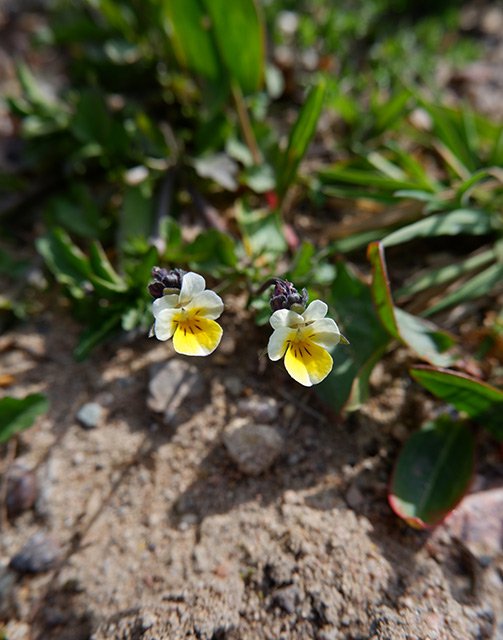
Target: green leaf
column 449, row 127
column 389, row 113
column 211, row 251
column 240, row 39
column 477, row 286
column 95, row 334
column 479, row 400
column 364, row 177
column 300, row 137
column 444, row 275
column 193, row 40
column 76, row 211
column 137, row 213
column 433, row 472
column 66, row 261
column 421, row 336
column 458, row 222
column 262, row 231
column 93, row 125
column 17, row 414
column 104, row 276
column 350, row 301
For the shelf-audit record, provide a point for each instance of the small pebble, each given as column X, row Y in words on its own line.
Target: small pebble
column 174, row 385
column 41, row 553
column 354, row 496
column 91, row 415
column 253, row 447
column 22, row 489
column 234, row 386
column 260, row 409
column 287, row 598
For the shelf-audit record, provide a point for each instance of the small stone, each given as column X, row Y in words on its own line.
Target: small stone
column 286, row 598
column 234, row 386
column 91, row 415
column 172, row 384
column 22, row 489
column 147, row 621
column 260, row 409
column 253, row 447
column 354, row 496
column 41, row 553
column 477, row 523
column 7, row 594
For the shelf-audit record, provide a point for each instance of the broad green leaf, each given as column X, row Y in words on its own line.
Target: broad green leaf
column 211, row 252
column 479, row 285
column 17, row 414
column 433, row 472
column 102, row 266
column 104, row 277
column 453, row 223
column 193, row 39
column 423, row 337
column 262, row 232
column 301, row 135
column 479, row 400
column 66, row 261
column 351, row 305
column 76, row 211
column 240, row 40
column 94, row 125
column 137, row 213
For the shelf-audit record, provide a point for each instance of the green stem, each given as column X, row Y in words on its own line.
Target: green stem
column 245, row 123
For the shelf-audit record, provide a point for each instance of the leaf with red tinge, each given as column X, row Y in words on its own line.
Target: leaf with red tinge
column 479, row 400
column 433, row 472
column 422, row 336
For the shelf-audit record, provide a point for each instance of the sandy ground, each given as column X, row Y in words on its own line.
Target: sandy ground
column 157, row 534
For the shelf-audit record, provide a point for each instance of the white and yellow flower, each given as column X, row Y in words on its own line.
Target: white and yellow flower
column 188, row 316
column 303, row 339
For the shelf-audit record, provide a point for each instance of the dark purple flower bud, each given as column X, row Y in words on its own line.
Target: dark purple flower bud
column 286, row 296
column 165, row 281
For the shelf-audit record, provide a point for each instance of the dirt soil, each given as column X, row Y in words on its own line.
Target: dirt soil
column 150, row 530
column 161, row 536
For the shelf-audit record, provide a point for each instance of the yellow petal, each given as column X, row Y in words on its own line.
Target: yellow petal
column 196, row 336
column 308, row 363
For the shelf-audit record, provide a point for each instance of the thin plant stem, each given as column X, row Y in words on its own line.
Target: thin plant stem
column 245, row 123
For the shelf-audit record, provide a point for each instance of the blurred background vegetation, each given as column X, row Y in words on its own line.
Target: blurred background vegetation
column 250, row 139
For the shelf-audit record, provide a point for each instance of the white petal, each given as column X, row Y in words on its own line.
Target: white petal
column 166, row 302
column 285, row 318
column 164, row 327
column 210, row 304
column 278, row 342
column 192, row 284
column 324, row 332
column 315, row 311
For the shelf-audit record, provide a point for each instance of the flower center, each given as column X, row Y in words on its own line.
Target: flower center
column 188, row 322
column 300, row 344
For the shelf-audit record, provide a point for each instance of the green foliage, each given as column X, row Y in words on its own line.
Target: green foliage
column 478, row 400
column 18, row 414
column 300, row 137
column 423, row 337
column 433, row 472
column 350, row 301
